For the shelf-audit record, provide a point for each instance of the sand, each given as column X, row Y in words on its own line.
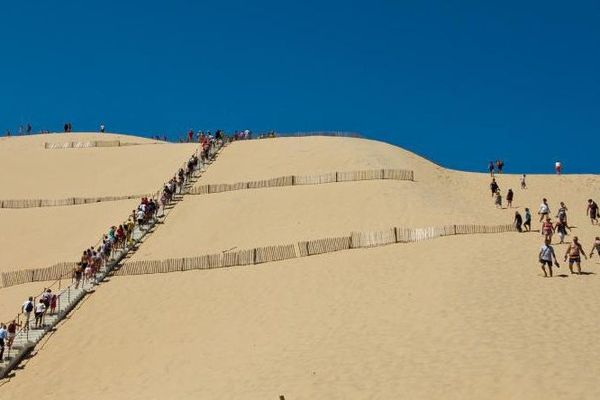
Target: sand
column 30, row 171
column 55, row 234
column 462, row 317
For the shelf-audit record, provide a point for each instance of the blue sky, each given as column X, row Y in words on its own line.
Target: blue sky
column 458, row 82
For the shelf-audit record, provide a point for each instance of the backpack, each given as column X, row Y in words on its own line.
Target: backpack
column 29, row 307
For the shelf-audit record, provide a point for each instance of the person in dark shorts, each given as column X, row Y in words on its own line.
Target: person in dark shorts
column 491, row 168
column 518, row 221
column 592, row 211
column 494, row 187
column 546, row 257
column 509, row 198
column 527, row 223
column 574, row 253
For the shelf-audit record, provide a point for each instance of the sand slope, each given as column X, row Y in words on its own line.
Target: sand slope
column 451, row 318
column 446, row 319
column 30, row 171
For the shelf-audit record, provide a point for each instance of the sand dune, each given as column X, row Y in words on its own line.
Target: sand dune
column 443, row 319
column 34, row 172
column 451, row 318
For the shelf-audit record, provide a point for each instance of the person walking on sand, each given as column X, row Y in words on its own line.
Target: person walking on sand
column 561, row 230
column 498, row 200
column 500, row 166
column 518, row 221
column 595, row 246
column 523, row 183
column 527, row 223
column 544, row 210
column 558, row 167
column 592, row 211
column 491, row 168
column 574, row 253
column 562, row 213
column 546, row 256
column 548, row 229
column 509, row 198
column 494, row 187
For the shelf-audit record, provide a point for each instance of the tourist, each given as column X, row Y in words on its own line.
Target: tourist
column 548, row 229
column 491, row 168
column 518, row 221
column 561, row 230
column 53, row 303
column 3, row 337
column 498, row 200
column 101, row 128
column 494, row 187
column 509, row 198
column 562, row 213
column 527, row 223
column 40, row 310
column 592, row 211
column 12, row 333
column 27, row 308
column 546, row 257
column 499, row 166
column 77, row 273
column 558, row 167
column 573, row 254
column 544, row 210
column 523, row 183
column 595, row 246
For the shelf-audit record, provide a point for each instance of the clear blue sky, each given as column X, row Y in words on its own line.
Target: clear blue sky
column 458, row 82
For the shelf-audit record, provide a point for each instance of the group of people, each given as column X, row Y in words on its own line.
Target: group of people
column 574, row 252
column 510, row 195
column 93, row 260
column 496, row 167
column 549, row 228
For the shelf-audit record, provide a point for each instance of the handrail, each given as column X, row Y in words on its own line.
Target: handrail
column 116, row 255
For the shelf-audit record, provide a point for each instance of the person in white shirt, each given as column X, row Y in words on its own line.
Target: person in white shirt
column 546, row 257
column 558, row 167
column 40, row 309
column 544, row 210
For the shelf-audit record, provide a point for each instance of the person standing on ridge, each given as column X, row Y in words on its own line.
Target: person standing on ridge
column 592, row 211
column 558, row 167
column 546, row 256
column 101, row 128
column 573, row 253
column 491, row 168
